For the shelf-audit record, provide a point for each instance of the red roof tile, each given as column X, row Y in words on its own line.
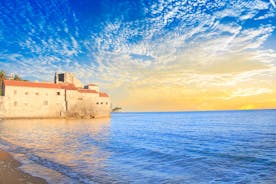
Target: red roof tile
column 103, row 94
column 87, row 91
column 50, row 85
column 31, row 84
column 68, row 86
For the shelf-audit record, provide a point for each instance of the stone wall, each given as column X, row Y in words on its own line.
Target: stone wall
column 21, row 102
column 2, row 106
column 68, row 78
column 103, row 107
column 86, row 105
column 53, row 102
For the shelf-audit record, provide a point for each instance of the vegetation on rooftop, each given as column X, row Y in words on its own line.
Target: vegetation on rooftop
column 3, row 76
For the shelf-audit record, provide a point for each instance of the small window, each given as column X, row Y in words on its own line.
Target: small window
column 37, row 93
column 15, row 103
column 45, row 103
column 26, row 93
column 61, row 77
column 101, row 102
column 97, row 103
column 106, row 103
column 58, row 93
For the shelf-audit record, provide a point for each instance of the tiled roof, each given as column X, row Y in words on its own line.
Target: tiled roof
column 103, row 94
column 50, row 85
column 31, row 84
column 68, row 86
column 87, row 91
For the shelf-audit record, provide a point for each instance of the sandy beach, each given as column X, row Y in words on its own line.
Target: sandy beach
column 11, row 174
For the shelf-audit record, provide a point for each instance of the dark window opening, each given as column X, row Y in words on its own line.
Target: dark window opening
column 58, row 93
column 97, row 103
column 61, row 77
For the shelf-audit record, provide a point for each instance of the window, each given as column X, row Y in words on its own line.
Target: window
column 26, row 93
column 37, row 93
column 15, row 103
column 58, row 93
column 45, row 103
column 106, row 103
column 97, row 103
column 61, row 77
column 101, row 102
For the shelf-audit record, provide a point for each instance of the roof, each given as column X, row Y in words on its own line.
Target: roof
column 103, row 94
column 68, row 86
column 31, row 84
column 87, row 91
column 92, row 85
column 50, row 85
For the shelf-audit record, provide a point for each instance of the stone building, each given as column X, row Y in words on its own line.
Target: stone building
column 66, row 97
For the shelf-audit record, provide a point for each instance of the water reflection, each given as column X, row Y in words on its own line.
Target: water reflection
column 180, row 147
column 61, row 143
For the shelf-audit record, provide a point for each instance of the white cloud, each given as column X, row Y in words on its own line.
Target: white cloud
column 273, row 3
column 181, row 38
column 249, row 92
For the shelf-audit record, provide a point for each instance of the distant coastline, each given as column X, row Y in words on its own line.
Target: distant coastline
column 230, row 110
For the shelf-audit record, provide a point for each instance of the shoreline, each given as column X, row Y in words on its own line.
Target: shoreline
column 62, row 118
column 11, row 174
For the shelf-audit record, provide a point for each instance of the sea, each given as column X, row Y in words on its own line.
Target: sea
column 152, row 147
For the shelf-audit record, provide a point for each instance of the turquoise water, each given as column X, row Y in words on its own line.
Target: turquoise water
column 180, row 147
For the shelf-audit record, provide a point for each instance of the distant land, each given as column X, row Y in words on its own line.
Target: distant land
column 117, row 109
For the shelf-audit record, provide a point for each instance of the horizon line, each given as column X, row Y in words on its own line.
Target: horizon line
column 197, row 110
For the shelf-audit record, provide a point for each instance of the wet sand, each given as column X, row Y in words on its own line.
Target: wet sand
column 11, row 174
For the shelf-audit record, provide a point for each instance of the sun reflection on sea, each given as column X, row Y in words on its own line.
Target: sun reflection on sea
column 50, row 139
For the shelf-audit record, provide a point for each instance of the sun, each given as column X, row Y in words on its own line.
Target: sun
column 247, row 107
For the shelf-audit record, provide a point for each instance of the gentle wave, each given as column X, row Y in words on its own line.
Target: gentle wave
column 200, row 147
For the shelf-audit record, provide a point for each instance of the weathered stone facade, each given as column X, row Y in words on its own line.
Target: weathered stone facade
column 64, row 98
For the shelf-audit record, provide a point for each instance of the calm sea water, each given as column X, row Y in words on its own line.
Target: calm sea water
column 181, row 147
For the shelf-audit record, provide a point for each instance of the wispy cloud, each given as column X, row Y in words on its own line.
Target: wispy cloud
column 249, row 92
column 273, row 3
column 176, row 45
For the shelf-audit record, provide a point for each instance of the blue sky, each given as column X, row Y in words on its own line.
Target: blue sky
column 125, row 45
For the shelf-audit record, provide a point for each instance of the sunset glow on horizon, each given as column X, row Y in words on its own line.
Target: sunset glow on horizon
column 158, row 55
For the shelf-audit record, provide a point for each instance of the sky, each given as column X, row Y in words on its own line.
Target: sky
column 149, row 55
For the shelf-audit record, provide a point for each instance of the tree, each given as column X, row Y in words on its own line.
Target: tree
column 16, row 77
column 2, row 76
